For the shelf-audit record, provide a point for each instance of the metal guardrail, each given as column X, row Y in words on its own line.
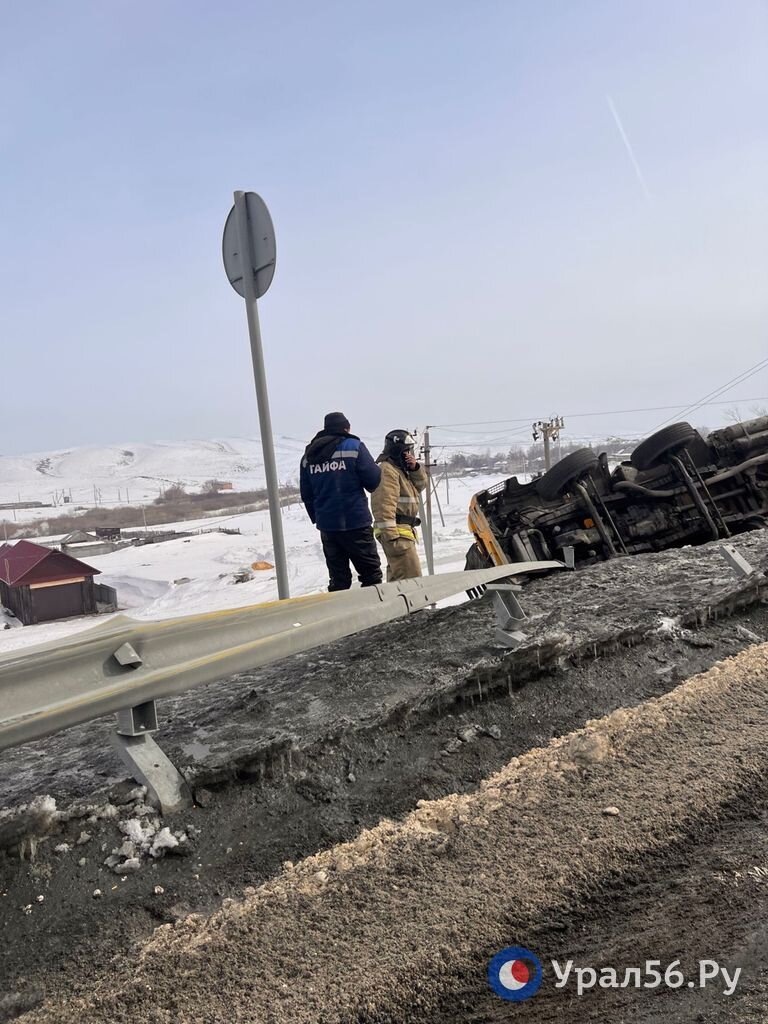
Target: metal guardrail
column 126, row 663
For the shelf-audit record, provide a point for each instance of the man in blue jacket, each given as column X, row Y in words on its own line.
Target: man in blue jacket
column 336, row 471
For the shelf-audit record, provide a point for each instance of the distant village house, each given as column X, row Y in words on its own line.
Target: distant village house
column 38, row 584
column 87, row 545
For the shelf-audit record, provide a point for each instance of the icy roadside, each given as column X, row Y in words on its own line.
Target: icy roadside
column 379, row 902
column 250, row 723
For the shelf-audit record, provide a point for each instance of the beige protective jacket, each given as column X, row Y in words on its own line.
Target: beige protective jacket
column 398, row 493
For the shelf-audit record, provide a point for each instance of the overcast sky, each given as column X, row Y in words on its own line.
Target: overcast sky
column 462, row 231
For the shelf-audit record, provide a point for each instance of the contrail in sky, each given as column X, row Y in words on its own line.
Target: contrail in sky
column 630, row 151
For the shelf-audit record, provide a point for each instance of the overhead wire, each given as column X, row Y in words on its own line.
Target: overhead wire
column 609, row 412
column 738, row 379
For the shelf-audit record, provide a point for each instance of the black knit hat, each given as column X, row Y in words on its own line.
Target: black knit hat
column 336, row 421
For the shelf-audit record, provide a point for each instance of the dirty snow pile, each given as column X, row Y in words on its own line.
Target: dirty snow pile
column 24, row 826
column 145, row 837
column 669, row 626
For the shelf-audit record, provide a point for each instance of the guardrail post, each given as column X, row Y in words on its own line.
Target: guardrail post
column 509, row 613
column 133, row 742
column 736, row 560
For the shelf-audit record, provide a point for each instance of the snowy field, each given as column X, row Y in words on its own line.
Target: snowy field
column 187, row 576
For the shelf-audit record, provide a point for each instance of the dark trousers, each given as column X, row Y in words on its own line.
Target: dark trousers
column 341, row 547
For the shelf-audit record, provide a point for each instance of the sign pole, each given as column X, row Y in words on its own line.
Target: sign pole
column 259, row 376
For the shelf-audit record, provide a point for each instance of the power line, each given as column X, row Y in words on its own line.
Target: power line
column 484, row 433
column 610, row 412
column 471, row 449
column 738, row 379
column 481, row 437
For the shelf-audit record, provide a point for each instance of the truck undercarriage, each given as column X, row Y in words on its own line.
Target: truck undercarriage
column 677, row 488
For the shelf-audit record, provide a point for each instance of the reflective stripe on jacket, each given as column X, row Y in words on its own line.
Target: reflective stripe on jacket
column 336, row 471
column 396, row 500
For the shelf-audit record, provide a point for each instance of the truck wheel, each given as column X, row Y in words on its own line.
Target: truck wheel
column 651, row 451
column 755, row 523
column 558, row 479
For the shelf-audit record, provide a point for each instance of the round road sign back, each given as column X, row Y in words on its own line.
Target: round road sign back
column 263, row 246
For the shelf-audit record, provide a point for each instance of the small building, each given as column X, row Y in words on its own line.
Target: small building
column 87, row 545
column 108, row 532
column 38, row 584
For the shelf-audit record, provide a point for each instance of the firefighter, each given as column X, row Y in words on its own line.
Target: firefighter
column 336, row 471
column 395, row 504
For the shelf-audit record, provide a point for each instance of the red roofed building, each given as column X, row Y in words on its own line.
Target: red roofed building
column 38, row 584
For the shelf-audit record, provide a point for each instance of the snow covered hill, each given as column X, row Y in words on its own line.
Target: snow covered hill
column 135, row 473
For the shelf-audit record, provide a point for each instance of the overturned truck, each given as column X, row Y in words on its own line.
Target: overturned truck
column 677, row 488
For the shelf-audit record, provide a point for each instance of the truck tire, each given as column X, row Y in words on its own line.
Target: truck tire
column 755, row 523
column 557, row 480
column 670, row 439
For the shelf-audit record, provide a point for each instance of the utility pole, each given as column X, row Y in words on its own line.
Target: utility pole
column 548, row 430
column 434, row 484
column 428, row 550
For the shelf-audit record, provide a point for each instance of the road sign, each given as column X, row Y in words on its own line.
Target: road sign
column 249, row 230
column 263, row 251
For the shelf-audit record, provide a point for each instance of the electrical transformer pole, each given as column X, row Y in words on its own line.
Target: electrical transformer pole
column 548, row 430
